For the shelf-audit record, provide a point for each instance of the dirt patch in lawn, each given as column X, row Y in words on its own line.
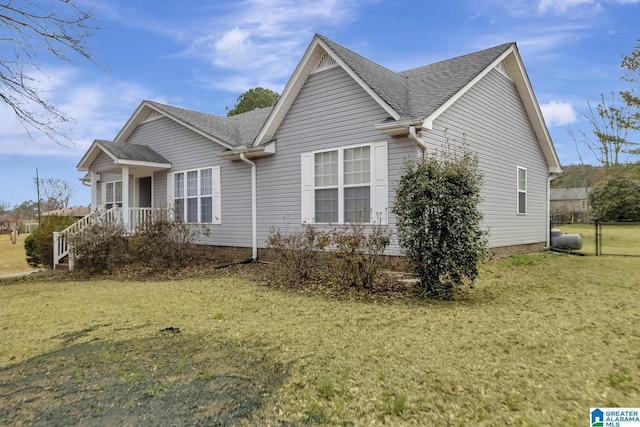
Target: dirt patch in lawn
column 166, row 380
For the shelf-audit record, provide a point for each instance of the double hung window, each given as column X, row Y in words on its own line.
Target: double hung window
column 522, row 191
column 193, row 195
column 342, row 185
column 113, row 194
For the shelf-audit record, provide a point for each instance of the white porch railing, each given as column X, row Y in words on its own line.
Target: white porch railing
column 135, row 218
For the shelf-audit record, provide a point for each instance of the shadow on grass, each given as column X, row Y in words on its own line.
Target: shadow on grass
column 168, row 379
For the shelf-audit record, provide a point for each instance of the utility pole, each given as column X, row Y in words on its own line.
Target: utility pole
column 37, row 181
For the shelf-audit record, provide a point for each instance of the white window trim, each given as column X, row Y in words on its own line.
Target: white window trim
column 216, row 196
column 378, row 182
column 104, row 193
column 522, row 191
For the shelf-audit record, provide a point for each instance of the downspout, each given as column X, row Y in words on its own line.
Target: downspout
column 254, row 208
column 413, row 134
column 549, row 211
column 551, row 177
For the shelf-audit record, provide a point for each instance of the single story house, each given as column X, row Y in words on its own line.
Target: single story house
column 75, row 212
column 332, row 148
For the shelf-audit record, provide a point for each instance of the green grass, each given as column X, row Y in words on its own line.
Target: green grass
column 540, row 339
column 615, row 239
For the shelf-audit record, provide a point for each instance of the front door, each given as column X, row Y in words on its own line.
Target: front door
column 144, row 190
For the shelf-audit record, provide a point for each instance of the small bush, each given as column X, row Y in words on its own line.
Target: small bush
column 296, row 253
column 39, row 245
column 104, row 247
column 30, row 248
column 100, row 247
column 347, row 257
column 165, row 244
column 357, row 255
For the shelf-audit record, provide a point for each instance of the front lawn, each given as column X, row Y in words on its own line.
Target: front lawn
column 540, row 340
column 12, row 256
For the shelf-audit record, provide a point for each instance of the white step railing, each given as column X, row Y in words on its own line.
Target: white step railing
column 136, row 218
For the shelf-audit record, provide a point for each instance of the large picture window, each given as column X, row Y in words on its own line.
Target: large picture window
column 342, row 185
column 193, row 195
column 522, row 191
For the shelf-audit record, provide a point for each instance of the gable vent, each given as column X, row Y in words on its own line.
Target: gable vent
column 153, row 115
column 325, row 63
column 502, row 67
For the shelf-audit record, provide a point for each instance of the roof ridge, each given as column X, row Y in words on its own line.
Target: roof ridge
column 459, row 57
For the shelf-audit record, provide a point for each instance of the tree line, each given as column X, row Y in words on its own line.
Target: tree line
column 613, row 128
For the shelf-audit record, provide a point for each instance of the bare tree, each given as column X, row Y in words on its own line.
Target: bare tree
column 631, row 66
column 56, row 193
column 607, row 138
column 30, row 32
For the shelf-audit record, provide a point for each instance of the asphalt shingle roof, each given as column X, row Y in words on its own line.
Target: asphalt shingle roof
column 420, row 91
column 237, row 130
column 569, row 193
column 135, row 152
column 415, row 93
column 389, row 85
column 432, row 85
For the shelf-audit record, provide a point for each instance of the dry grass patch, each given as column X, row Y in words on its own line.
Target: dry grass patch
column 12, row 256
column 541, row 337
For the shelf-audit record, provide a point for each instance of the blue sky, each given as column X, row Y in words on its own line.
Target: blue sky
column 202, row 54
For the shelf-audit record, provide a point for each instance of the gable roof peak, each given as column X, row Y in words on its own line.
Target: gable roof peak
column 390, row 86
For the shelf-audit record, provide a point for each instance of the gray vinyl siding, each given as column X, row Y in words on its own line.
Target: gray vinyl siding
column 102, row 163
column 491, row 119
column 188, row 150
column 331, row 111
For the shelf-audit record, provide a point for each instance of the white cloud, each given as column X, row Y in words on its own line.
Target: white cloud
column 262, row 40
column 233, row 48
column 97, row 106
column 561, row 6
column 558, row 113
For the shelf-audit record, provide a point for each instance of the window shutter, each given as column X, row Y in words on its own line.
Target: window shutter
column 217, row 196
column 170, row 190
column 307, row 188
column 380, row 178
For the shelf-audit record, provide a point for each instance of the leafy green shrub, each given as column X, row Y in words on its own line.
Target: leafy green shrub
column 439, row 222
column 30, row 248
column 357, row 254
column 616, row 198
column 39, row 245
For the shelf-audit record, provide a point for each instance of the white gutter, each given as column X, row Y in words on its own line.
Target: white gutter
column 254, row 209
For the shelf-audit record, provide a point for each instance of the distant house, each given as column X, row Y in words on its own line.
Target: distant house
column 331, row 150
column 74, row 212
column 570, row 205
column 5, row 226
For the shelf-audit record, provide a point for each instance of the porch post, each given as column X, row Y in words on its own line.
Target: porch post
column 94, row 190
column 125, row 196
